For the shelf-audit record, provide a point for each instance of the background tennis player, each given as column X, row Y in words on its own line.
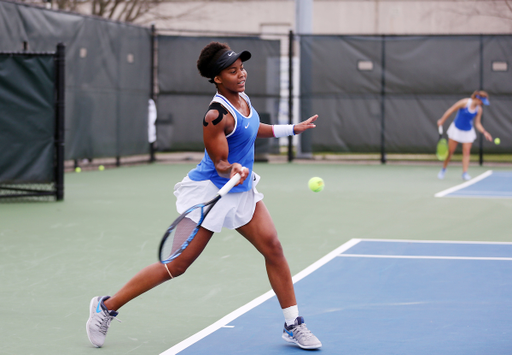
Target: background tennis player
column 462, row 129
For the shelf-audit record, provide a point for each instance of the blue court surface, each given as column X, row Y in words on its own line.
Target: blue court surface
column 491, row 184
column 383, row 297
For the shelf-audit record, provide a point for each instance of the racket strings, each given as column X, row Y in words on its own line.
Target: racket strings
column 182, row 232
column 177, row 239
column 442, row 149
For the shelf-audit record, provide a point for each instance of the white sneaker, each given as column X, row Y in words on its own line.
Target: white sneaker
column 441, row 174
column 466, row 177
column 300, row 335
column 99, row 321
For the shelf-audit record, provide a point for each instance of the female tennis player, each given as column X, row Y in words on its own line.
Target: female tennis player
column 462, row 129
column 230, row 127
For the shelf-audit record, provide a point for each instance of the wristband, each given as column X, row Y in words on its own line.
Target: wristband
column 283, row 130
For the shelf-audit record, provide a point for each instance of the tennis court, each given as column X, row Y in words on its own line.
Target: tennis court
column 385, row 297
column 487, row 185
column 56, row 256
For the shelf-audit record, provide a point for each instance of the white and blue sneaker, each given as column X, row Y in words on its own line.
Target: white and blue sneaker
column 441, row 174
column 99, row 321
column 300, row 335
column 465, row 176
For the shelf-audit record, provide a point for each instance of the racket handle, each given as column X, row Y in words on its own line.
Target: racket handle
column 229, row 185
column 440, row 130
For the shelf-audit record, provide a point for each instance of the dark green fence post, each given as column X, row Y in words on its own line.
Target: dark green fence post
column 382, row 103
column 60, row 66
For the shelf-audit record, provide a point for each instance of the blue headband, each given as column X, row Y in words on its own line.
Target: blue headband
column 484, row 100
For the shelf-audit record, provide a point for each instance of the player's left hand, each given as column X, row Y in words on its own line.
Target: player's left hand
column 305, row 125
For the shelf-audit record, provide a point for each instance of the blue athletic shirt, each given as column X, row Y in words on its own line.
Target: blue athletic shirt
column 240, row 143
column 464, row 118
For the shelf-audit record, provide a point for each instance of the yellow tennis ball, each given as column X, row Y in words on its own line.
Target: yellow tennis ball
column 78, row 169
column 497, row 141
column 101, row 168
column 316, row 184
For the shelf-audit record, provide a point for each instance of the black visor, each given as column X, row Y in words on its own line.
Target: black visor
column 226, row 59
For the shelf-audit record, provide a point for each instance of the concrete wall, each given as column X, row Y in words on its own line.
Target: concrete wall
column 412, row 17
column 339, row 16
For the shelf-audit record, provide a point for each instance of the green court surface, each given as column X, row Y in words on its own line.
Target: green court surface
column 55, row 256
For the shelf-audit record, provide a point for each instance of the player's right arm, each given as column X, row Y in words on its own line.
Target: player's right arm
column 216, row 126
column 458, row 105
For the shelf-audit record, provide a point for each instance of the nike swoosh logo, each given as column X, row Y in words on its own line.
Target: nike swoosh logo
column 247, row 125
column 98, row 308
column 230, row 54
column 289, row 333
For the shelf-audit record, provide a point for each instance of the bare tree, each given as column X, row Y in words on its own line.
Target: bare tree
column 492, row 8
column 119, row 10
column 501, row 9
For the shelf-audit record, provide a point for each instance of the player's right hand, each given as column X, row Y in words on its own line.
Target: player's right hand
column 243, row 171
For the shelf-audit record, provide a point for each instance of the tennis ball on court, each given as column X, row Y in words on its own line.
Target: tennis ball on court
column 497, row 141
column 101, row 168
column 78, row 169
column 316, row 184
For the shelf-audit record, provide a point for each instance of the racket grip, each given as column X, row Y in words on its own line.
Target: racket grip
column 229, row 185
column 440, row 130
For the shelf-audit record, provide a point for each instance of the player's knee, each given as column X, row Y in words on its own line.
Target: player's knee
column 177, row 268
column 180, row 270
column 274, row 249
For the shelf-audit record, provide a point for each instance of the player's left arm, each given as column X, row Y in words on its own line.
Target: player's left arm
column 267, row 131
column 479, row 127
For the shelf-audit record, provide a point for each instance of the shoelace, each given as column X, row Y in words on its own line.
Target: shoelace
column 302, row 331
column 105, row 322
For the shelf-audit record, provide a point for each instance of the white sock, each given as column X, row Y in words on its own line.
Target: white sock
column 290, row 314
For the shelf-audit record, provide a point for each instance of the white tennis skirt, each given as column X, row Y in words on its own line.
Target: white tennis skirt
column 232, row 211
column 461, row 136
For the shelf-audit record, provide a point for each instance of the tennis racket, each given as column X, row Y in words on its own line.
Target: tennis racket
column 183, row 230
column 442, row 146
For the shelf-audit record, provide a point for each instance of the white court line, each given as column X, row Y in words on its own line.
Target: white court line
column 325, row 260
column 256, row 302
column 466, row 184
column 432, row 241
column 423, row 257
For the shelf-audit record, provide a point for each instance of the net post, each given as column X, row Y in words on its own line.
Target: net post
column 60, row 64
column 290, row 93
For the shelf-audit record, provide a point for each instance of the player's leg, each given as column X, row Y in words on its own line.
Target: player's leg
column 452, row 145
column 466, row 155
column 261, row 232
column 103, row 309
column 155, row 274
